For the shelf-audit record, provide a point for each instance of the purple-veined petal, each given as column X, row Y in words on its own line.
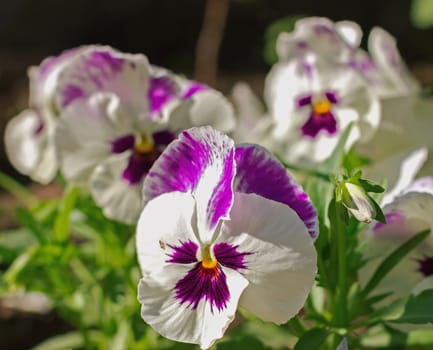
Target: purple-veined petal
column 260, row 173
column 101, row 69
column 180, row 321
column 281, row 266
column 30, row 146
column 201, row 162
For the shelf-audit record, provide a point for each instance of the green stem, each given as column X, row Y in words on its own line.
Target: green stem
column 340, row 235
column 17, row 190
column 297, row 327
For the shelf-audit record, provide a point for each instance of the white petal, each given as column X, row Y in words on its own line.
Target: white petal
column 180, row 322
column 118, row 199
column 85, row 132
column 383, row 49
column 210, row 107
column 164, row 220
column 31, row 151
column 350, row 31
column 408, row 168
column 282, row 266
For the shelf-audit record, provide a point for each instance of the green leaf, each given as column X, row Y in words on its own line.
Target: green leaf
column 393, row 259
column 286, row 24
column 71, row 340
column 370, row 186
column 62, row 223
column 418, row 309
column 379, row 213
column 17, row 190
column 242, row 343
column 27, row 220
column 312, row 339
column 422, row 13
column 383, row 336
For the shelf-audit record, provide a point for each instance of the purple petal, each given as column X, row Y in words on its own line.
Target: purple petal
column 259, row 172
column 199, row 161
column 161, row 91
column 317, row 122
column 123, row 144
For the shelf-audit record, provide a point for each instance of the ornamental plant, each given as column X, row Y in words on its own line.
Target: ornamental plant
column 192, row 220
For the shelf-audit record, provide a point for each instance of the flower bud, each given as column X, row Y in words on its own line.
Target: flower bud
column 358, row 202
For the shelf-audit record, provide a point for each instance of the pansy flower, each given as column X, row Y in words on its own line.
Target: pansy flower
column 312, row 101
column 223, row 226
column 119, row 113
column 29, row 137
column 408, row 213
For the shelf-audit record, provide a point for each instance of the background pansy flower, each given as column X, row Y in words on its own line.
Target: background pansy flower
column 29, row 137
column 118, row 115
column 215, row 234
column 407, row 214
column 312, row 101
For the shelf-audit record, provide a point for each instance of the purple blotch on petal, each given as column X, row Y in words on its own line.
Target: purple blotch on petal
column 185, row 253
column 304, row 101
column 138, row 166
column 193, row 89
column 229, row 256
column 259, row 172
column 200, row 283
column 161, row 91
column 163, row 137
column 123, row 143
column 332, row 97
column 425, row 266
column 317, row 122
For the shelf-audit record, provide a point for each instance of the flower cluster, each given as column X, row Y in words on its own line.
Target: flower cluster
column 102, row 117
column 220, row 221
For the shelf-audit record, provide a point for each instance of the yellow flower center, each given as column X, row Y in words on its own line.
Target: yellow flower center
column 322, row 107
column 144, row 145
column 208, row 260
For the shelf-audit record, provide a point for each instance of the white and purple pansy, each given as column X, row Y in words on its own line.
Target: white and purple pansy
column 222, row 226
column 29, row 137
column 312, row 101
column 407, row 214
